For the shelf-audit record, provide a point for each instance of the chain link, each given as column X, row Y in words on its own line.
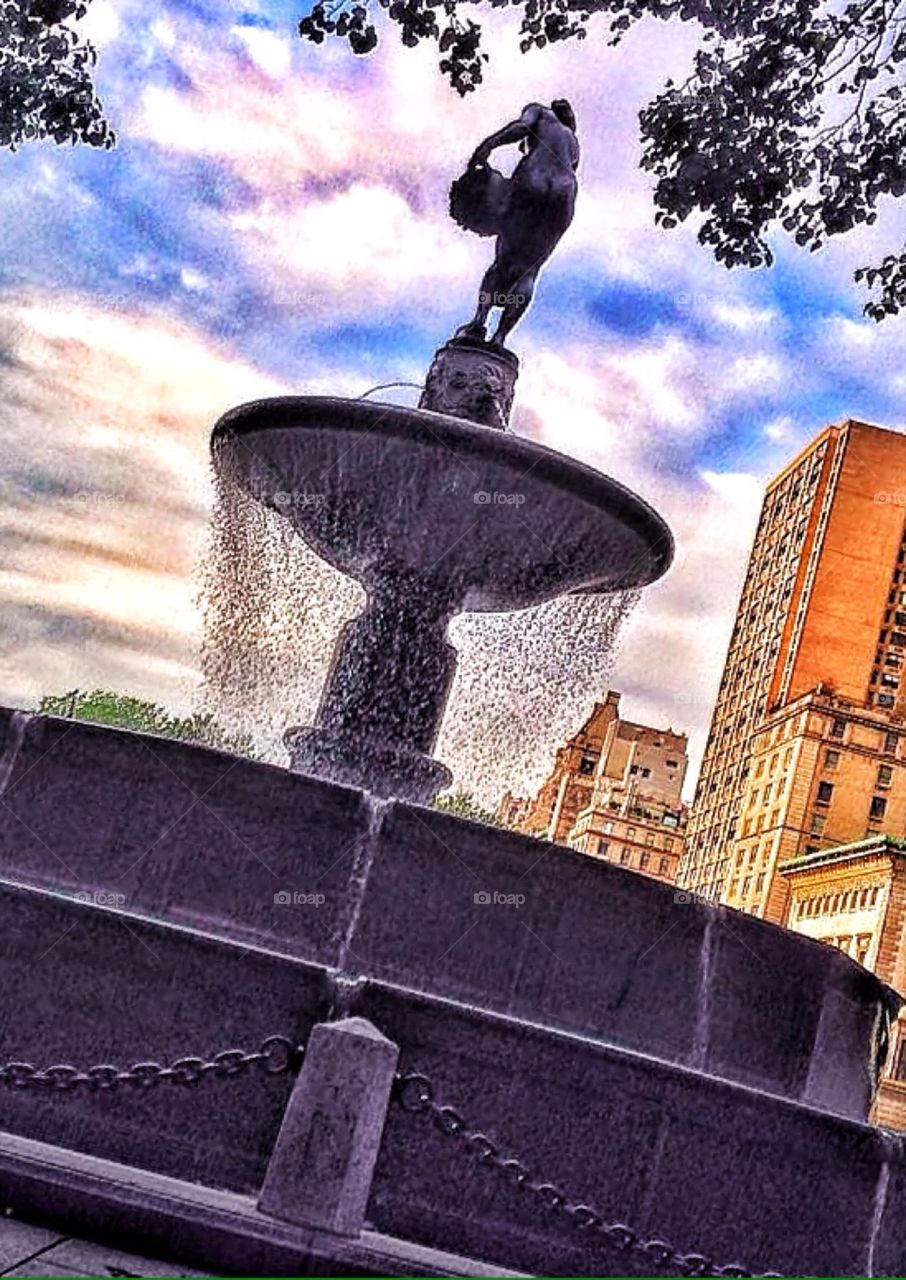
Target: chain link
column 276, row 1056
column 415, row 1094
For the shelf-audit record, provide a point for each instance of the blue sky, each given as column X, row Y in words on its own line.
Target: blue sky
column 273, row 220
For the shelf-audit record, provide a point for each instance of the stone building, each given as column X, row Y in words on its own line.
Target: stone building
column 614, row 793
column 854, row 897
column 823, row 771
column 806, row 743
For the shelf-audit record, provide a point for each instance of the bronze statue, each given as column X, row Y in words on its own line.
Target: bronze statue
column 528, row 212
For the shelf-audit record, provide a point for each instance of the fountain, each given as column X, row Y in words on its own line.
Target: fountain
column 436, row 511
column 261, row 1024
column 433, row 515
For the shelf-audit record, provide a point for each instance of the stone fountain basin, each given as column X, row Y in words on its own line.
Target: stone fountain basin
column 488, row 520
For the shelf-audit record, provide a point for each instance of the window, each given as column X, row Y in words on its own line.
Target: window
column 649, row 838
column 630, row 833
column 838, row 728
column 885, row 775
column 898, row 1069
column 672, row 764
column 890, row 744
column 608, row 828
column 587, row 765
column 603, row 846
column 889, row 681
column 825, row 792
column 898, row 638
column 831, row 758
column 663, row 866
column 818, row 821
column 625, row 856
column 878, row 808
column 644, row 859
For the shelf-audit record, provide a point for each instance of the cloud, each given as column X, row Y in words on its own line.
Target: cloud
column 105, row 419
column 740, row 316
column 360, row 245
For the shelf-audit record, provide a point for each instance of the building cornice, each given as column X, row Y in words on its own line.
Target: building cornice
column 875, row 846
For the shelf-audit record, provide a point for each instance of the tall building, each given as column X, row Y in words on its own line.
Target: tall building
column 817, row 651
column 615, row 792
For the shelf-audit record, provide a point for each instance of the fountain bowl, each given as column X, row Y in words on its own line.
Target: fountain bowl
column 487, row 521
column 435, row 516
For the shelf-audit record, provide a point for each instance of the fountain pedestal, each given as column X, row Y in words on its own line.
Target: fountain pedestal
column 367, row 711
column 472, row 380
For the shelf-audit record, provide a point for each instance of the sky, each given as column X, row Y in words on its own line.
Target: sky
column 273, row 221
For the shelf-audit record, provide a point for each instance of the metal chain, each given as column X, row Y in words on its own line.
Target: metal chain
column 415, row 1093
column 276, row 1056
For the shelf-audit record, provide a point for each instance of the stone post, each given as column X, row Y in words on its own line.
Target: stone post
column 320, row 1172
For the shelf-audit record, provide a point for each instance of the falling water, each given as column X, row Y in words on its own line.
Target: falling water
column 526, row 682
column 273, row 610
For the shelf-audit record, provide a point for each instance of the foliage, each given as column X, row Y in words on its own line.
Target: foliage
column 46, row 90
column 464, row 805
column 122, row 711
column 792, row 115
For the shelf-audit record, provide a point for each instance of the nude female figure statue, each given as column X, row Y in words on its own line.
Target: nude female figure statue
column 528, row 212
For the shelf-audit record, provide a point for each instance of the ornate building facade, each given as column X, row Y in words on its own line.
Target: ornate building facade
column 614, row 793
column 854, row 897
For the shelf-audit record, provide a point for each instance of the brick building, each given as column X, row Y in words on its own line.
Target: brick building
column 614, row 793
